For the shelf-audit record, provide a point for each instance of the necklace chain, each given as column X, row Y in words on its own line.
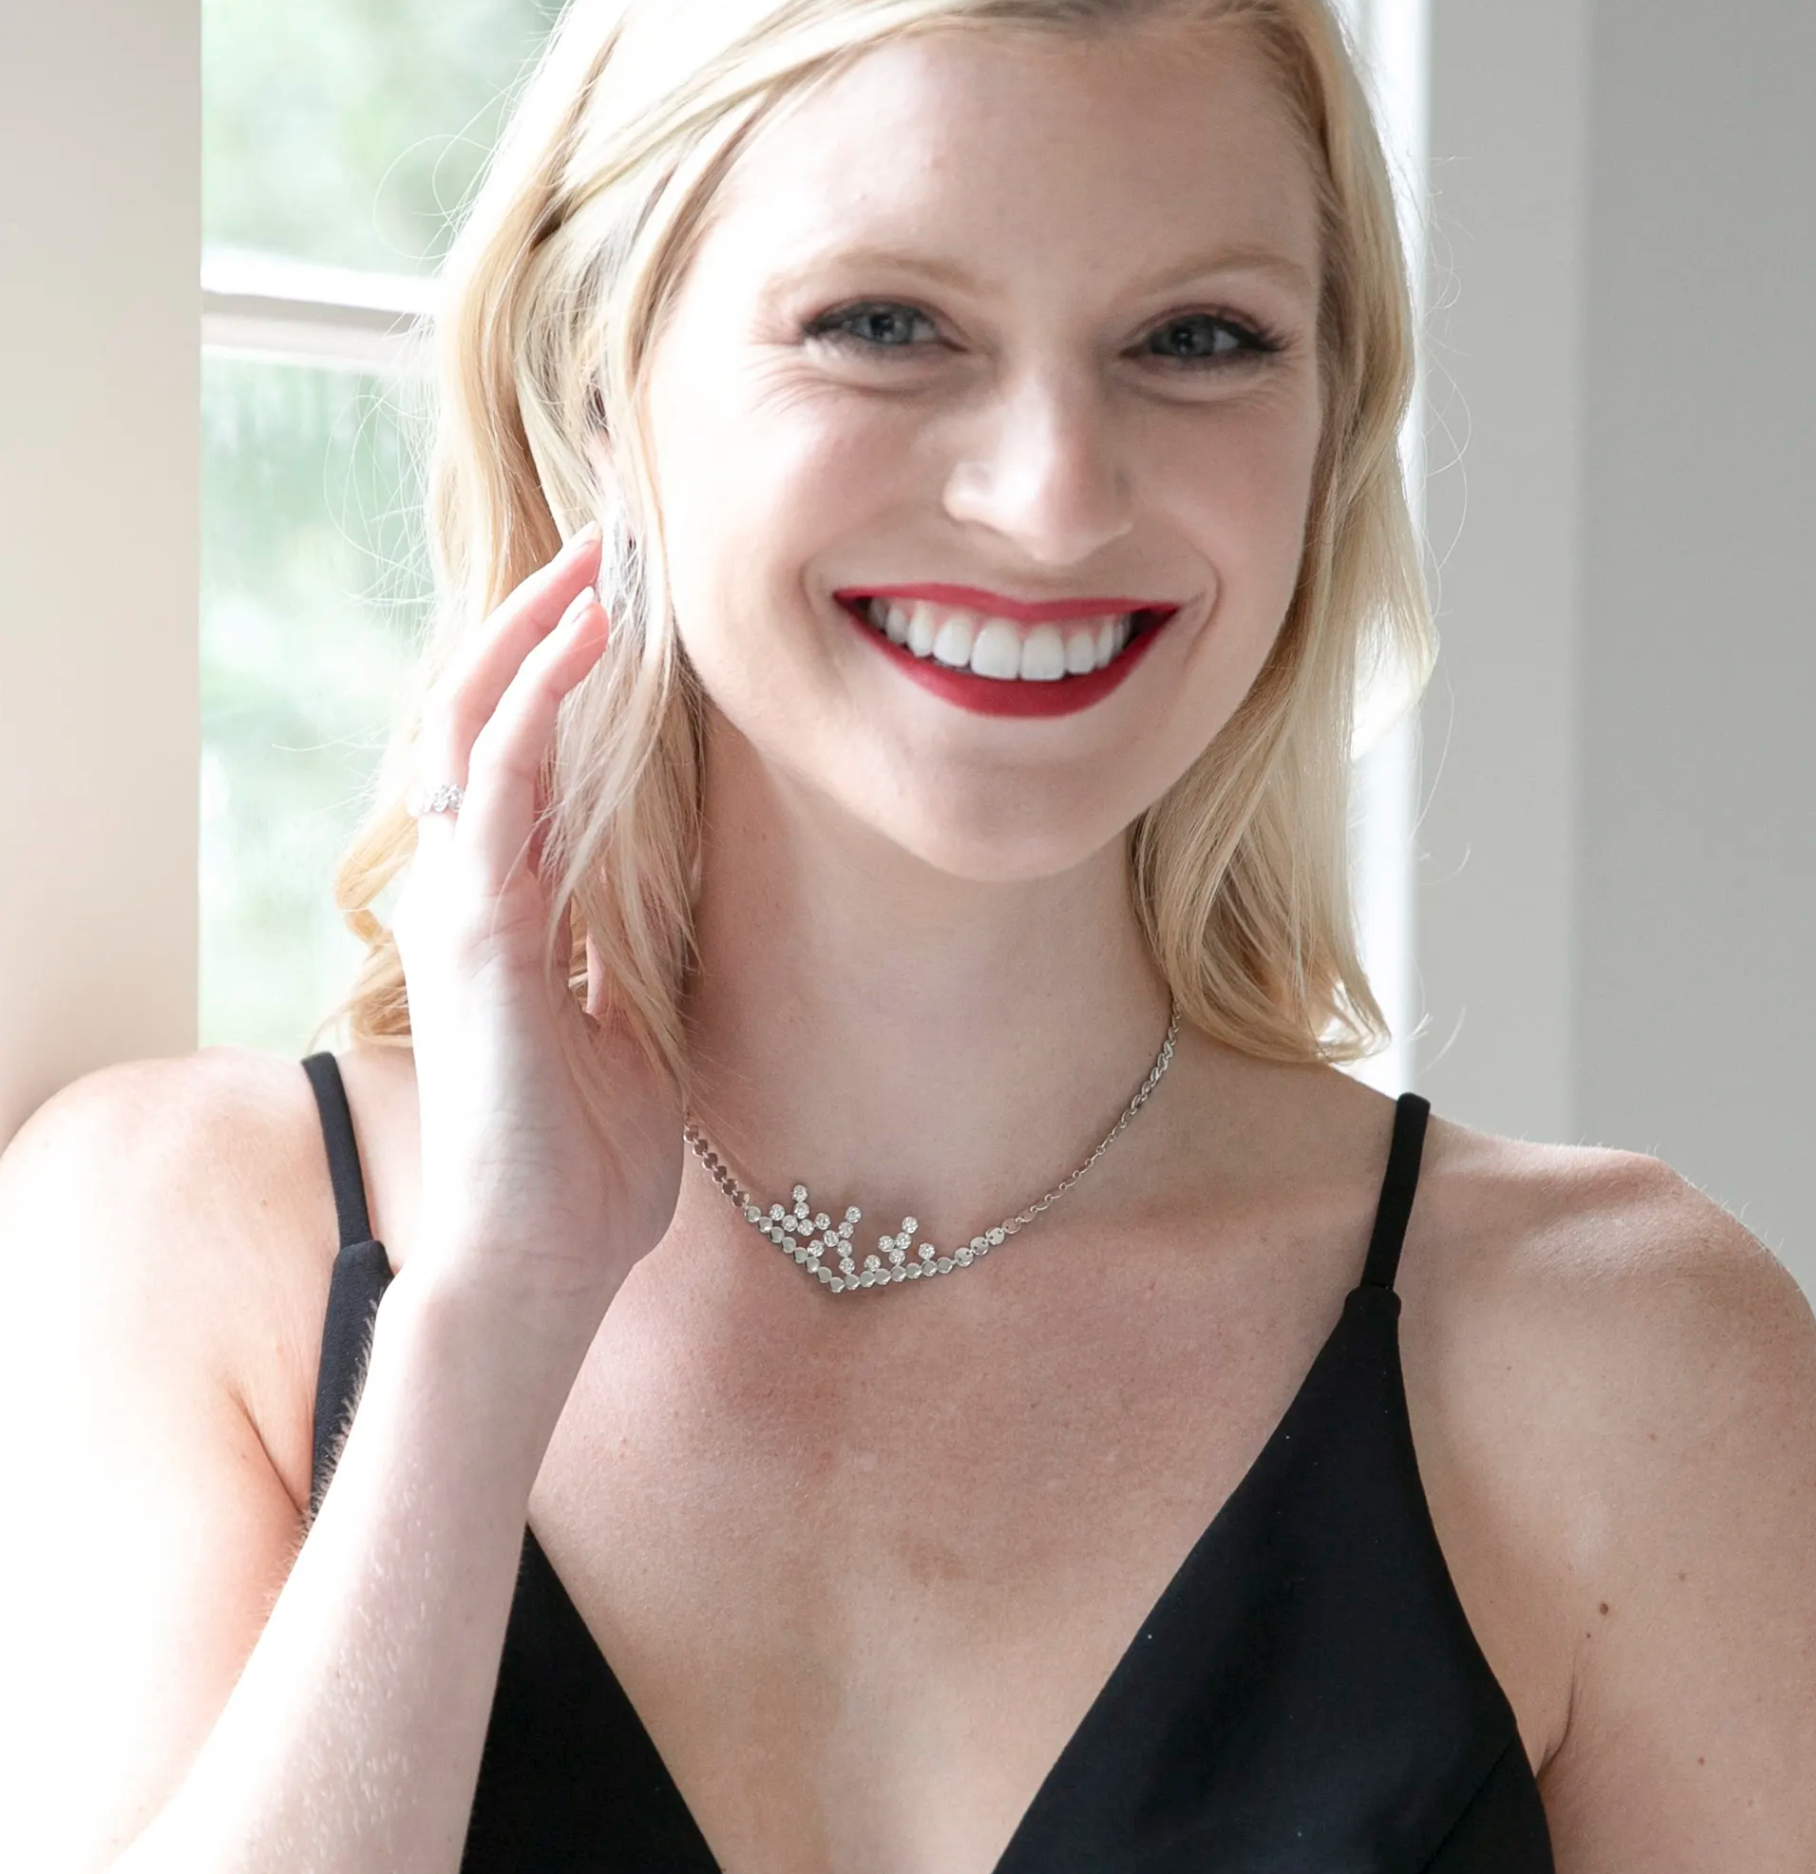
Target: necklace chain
column 811, row 1237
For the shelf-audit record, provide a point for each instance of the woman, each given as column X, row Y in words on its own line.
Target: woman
column 934, row 767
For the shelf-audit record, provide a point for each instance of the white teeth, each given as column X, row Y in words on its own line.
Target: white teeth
column 996, row 647
column 1043, row 658
column 998, row 651
column 922, row 630
column 952, row 643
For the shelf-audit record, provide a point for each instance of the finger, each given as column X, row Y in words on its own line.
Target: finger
column 505, row 767
column 464, row 697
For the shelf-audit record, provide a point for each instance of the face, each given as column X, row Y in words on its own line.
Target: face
column 1022, row 331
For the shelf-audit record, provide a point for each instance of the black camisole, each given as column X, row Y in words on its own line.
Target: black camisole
column 1306, row 1696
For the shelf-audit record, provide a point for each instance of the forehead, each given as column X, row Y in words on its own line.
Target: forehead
column 1103, row 153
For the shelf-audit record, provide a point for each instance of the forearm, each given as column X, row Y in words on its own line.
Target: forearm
column 351, row 1742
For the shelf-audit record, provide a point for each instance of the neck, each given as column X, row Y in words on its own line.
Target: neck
column 897, row 1037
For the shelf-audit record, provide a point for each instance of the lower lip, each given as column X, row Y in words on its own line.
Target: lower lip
column 1015, row 696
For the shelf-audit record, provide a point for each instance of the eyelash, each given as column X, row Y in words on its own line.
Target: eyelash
column 1255, row 342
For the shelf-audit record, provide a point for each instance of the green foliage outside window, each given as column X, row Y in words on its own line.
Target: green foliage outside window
column 343, row 134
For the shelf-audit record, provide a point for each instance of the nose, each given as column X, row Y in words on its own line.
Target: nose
column 1044, row 472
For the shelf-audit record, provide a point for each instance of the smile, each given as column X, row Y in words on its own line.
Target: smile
column 1000, row 666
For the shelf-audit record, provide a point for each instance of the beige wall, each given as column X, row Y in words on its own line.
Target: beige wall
column 99, row 239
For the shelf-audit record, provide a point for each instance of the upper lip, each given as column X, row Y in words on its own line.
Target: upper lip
column 999, row 605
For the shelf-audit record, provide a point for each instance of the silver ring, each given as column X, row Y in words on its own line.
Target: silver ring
column 443, row 797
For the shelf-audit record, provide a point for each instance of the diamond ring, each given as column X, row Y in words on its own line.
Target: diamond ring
column 443, row 797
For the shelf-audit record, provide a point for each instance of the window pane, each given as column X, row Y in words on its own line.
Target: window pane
column 344, row 132
column 313, row 588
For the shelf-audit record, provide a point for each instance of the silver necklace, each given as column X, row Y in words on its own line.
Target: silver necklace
column 811, row 1237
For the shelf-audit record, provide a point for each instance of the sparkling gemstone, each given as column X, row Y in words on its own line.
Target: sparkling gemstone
column 847, row 1264
column 832, row 1240
column 751, row 1213
column 896, row 1256
column 801, row 1210
column 910, row 1225
column 776, row 1213
column 854, row 1215
column 962, row 1257
column 926, row 1252
column 905, row 1240
column 844, row 1231
column 885, row 1242
column 800, row 1193
column 997, row 1236
column 871, row 1262
column 822, row 1221
column 944, row 1265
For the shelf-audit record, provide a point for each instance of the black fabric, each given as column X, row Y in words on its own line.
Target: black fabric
column 1306, row 1696
column 361, row 1271
column 1393, row 1210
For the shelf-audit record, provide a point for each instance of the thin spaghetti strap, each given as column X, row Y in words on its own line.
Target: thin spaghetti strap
column 362, row 1273
column 343, row 1151
column 1397, row 1187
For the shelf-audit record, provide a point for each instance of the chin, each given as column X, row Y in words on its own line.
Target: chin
column 989, row 847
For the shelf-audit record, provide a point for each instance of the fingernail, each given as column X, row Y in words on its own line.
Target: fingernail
column 586, row 536
column 581, row 601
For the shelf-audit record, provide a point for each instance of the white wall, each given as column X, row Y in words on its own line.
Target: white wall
column 1618, row 892
column 1697, row 863
column 99, row 237
column 1496, row 904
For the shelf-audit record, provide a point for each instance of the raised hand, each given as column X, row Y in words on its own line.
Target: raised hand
column 524, row 1194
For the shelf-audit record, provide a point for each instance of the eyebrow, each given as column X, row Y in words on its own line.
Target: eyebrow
column 1261, row 260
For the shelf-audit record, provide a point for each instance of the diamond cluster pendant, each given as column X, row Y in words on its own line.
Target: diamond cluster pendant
column 811, row 1237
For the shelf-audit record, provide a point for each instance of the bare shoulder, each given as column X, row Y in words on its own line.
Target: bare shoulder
column 1650, row 1290
column 1627, row 1377
column 182, row 1206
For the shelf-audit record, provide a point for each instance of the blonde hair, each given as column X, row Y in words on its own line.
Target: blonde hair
column 553, row 292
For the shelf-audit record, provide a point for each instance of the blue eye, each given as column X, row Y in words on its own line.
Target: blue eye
column 888, row 323
column 1212, row 339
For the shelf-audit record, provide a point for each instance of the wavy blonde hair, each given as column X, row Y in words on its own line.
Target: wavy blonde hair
column 552, row 297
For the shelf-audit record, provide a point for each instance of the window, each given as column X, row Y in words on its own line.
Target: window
column 337, row 141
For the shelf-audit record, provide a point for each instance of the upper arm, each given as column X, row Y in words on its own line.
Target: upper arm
column 1691, row 1743
column 149, row 1530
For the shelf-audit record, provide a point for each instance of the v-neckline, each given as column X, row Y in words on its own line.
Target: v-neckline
column 1115, row 1687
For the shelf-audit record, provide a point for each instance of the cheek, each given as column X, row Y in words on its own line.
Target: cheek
column 757, row 477
column 1236, row 483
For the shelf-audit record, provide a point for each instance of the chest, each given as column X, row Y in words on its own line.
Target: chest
column 864, row 1591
